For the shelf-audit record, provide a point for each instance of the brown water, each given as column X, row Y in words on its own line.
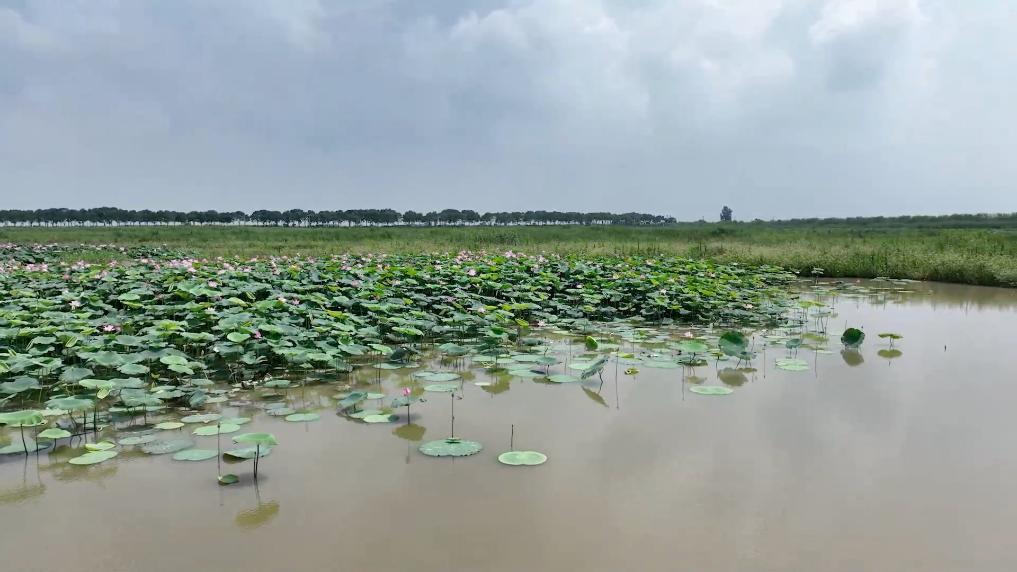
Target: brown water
column 895, row 465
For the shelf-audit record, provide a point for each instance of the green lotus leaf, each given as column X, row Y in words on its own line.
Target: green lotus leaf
column 450, row 448
column 101, row 446
column 169, row 425
column 525, row 373
column 248, row 452
column 137, row 440
column 562, row 378
column 711, row 390
column 229, row 479
column 733, row 343
column 791, row 364
column 70, row 403
column 25, row 418
column 201, row 418
column 693, row 347
column 194, row 455
column 235, row 420
column 217, row 429
column 852, row 337
column 165, row 446
column 256, row 439
column 93, row 458
column 441, row 387
column 516, row 458
column 298, row 417
column 281, row 411
column 379, row 418
column 54, row 433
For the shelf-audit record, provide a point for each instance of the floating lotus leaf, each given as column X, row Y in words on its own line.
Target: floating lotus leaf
column 18, row 385
column 482, row 383
column 890, row 353
column 256, row 439
column 525, row 373
column 217, row 429
column 133, row 369
column 441, row 387
column 437, row 377
column 281, row 411
column 101, row 446
column 562, row 378
column 661, row 364
column 168, row 425
column 852, row 337
column 379, row 418
column 364, row 413
column 137, row 440
column 164, row 446
column 20, row 448
column 450, row 448
column 580, row 365
column 278, row 383
column 25, row 418
column 693, row 347
column 297, row 417
column 631, row 371
column 93, row 458
column 229, row 479
column 711, row 390
column 70, row 403
column 790, row 364
column 54, row 433
column 352, row 399
column 202, row 418
column 248, row 452
column 194, row 455
column 516, row 458
column 235, row 420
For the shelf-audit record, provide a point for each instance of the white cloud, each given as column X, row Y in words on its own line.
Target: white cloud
column 596, row 104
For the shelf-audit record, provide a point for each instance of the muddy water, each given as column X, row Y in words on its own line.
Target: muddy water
column 859, row 463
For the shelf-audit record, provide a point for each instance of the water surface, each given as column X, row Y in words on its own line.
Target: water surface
column 859, row 463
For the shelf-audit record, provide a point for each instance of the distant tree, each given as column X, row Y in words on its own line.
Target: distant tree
column 726, row 214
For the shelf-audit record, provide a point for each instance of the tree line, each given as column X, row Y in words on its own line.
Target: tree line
column 111, row 216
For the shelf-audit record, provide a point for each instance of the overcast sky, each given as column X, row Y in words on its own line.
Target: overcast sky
column 779, row 108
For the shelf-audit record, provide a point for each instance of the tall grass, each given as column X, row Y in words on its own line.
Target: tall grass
column 971, row 256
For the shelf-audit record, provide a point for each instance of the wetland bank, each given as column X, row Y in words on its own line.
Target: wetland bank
column 704, row 415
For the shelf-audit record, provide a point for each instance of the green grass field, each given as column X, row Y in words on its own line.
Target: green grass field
column 984, row 255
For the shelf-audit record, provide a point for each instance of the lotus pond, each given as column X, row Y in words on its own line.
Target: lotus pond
column 497, row 412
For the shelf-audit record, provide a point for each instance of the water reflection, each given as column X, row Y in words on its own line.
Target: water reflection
column 852, row 357
column 263, row 513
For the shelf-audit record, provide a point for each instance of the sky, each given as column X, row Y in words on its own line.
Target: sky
column 778, row 108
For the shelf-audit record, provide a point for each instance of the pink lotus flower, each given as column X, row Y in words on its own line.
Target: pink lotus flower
column 256, row 334
column 75, row 304
column 213, row 284
column 471, row 272
column 406, row 392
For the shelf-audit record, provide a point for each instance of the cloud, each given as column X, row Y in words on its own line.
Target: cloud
column 780, row 107
column 857, row 36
